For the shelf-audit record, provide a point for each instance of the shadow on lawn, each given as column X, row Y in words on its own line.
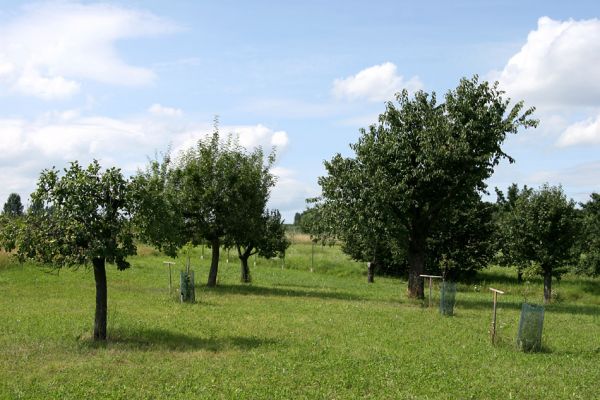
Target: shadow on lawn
column 282, row 292
column 160, row 339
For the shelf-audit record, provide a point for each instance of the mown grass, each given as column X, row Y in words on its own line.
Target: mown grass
column 290, row 334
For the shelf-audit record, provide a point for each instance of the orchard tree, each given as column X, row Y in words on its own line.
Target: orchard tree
column 212, row 180
column 427, row 157
column 506, row 255
column 83, row 219
column 543, row 228
column 350, row 211
column 157, row 214
column 265, row 237
column 252, row 229
column 13, row 206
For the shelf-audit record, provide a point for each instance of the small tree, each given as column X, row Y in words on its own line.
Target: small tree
column 506, row 255
column 13, row 206
column 267, row 239
column 543, row 228
column 84, row 219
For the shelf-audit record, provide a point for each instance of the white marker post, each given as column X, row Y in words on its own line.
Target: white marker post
column 493, row 332
column 431, row 278
column 169, row 263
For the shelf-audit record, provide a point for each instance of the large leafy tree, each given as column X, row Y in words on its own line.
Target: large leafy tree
column 83, row 219
column 221, row 188
column 589, row 239
column 543, row 227
column 424, row 158
column 13, row 206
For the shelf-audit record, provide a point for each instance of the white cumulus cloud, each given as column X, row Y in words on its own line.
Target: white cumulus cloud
column 581, row 133
column 376, row 83
column 158, row 109
column 51, row 47
column 557, row 66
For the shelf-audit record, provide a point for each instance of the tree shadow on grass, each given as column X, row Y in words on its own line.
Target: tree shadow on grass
column 161, row 339
column 283, row 292
column 554, row 307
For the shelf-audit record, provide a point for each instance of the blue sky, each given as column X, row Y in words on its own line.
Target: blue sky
column 119, row 81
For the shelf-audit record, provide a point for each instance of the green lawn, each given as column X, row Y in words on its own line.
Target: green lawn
column 290, row 334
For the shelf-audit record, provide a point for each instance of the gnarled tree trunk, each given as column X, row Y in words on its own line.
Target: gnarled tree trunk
column 101, row 299
column 214, row 263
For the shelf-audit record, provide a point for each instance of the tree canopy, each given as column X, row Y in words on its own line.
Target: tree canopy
column 424, row 159
column 543, row 228
column 83, row 220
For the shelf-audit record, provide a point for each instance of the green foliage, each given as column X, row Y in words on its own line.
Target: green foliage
column 541, row 230
column 422, row 161
column 462, row 241
column 13, row 206
column 157, row 214
column 506, row 252
column 85, row 215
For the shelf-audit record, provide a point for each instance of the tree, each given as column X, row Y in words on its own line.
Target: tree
column 84, row 219
column 252, row 229
column 425, row 159
column 212, row 180
column 589, row 239
column 265, row 238
column 505, row 207
column 350, row 211
column 542, row 230
column 13, row 206
column 157, row 213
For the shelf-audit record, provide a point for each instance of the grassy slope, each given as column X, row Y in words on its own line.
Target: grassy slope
column 291, row 334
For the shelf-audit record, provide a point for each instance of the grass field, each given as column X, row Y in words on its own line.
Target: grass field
column 290, row 334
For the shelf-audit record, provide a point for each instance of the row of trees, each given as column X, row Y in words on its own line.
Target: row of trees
column 215, row 192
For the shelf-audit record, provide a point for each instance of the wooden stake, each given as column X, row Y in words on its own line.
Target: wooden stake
column 169, row 263
column 431, row 278
column 493, row 331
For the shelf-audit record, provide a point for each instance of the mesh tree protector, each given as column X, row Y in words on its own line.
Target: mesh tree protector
column 529, row 336
column 447, row 298
column 187, row 291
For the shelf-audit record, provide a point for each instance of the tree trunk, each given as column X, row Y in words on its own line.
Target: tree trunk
column 547, row 286
column 371, row 272
column 416, row 267
column 245, row 270
column 214, row 264
column 519, row 276
column 101, row 299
